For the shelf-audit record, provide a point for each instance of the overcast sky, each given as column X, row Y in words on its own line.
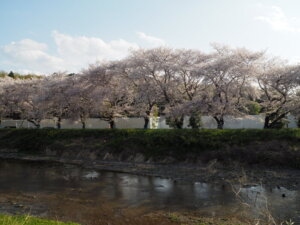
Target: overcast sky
column 45, row 36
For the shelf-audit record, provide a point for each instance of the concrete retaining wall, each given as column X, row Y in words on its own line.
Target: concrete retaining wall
column 208, row 122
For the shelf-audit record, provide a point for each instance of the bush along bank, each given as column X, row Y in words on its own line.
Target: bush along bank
column 280, row 148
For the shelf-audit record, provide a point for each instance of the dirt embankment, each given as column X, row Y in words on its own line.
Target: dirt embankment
column 247, row 156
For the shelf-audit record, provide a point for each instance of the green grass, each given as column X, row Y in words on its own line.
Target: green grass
column 28, row 220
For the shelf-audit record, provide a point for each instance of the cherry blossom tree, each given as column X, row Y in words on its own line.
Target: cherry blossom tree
column 57, row 88
column 227, row 75
column 145, row 92
column 6, row 97
column 157, row 65
column 114, row 95
column 189, row 85
column 29, row 101
column 279, row 86
column 154, row 75
column 84, row 103
column 177, row 82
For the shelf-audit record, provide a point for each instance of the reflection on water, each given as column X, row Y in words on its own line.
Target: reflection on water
column 91, row 174
column 130, row 191
column 283, row 203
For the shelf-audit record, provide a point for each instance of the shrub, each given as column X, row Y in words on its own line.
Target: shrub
column 175, row 122
column 195, row 121
column 253, row 108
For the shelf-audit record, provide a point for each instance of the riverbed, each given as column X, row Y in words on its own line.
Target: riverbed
column 89, row 196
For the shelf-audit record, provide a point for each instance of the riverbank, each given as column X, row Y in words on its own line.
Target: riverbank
column 279, row 148
column 250, row 157
column 148, row 219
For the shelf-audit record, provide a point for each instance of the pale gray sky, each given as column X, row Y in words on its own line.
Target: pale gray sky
column 51, row 35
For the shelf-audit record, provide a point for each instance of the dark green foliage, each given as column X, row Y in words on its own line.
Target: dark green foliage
column 14, row 75
column 194, row 140
column 3, row 74
column 175, row 122
column 298, row 122
column 195, row 121
column 11, row 75
column 253, row 108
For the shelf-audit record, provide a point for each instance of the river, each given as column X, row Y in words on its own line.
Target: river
column 76, row 194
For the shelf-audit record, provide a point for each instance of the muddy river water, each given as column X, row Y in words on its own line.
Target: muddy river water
column 76, row 194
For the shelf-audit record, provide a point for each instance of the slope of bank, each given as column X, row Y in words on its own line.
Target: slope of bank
column 272, row 148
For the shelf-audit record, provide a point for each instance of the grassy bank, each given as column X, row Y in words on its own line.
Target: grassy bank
column 28, row 220
column 270, row 147
column 167, row 219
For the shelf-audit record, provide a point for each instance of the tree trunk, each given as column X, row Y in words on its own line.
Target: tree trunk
column 220, row 122
column 266, row 124
column 146, row 122
column 111, row 124
column 58, row 123
column 82, row 119
column 178, row 125
column 179, row 122
column 35, row 123
column 269, row 124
